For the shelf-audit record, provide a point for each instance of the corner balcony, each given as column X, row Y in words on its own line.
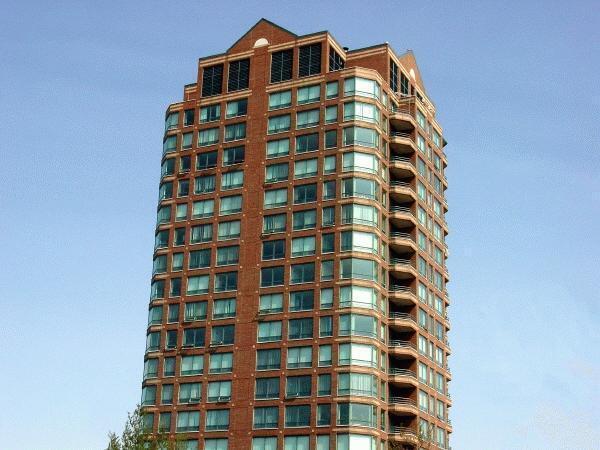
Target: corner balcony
column 402, row 192
column 402, row 143
column 402, row 295
column 402, row 348
column 402, row 242
column 402, row 216
column 401, row 118
column 402, row 322
column 403, row 434
column 402, row 167
column 402, row 377
column 402, row 405
column 402, row 269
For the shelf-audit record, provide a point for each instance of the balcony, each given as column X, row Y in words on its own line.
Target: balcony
column 402, row 216
column 402, row 242
column 402, row 348
column 402, row 295
column 402, row 143
column 403, row 434
column 402, row 167
column 402, row 269
column 402, row 191
column 401, row 118
column 402, row 321
column 402, row 377
column 402, row 404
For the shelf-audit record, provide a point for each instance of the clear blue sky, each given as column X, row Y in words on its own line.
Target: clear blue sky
column 83, row 87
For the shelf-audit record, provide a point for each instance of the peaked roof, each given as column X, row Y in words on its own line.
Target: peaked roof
column 263, row 23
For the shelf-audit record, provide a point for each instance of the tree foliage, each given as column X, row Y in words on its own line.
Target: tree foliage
column 135, row 435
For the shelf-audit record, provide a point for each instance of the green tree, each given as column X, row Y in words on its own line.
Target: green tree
column 137, row 436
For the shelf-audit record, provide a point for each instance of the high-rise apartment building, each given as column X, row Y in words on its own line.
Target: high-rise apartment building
column 298, row 293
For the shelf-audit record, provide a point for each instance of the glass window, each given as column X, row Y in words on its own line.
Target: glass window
column 327, row 243
column 303, row 246
column 264, row 443
column 324, row 355
column 217, row 419
column 299, row 386
column 325, row 326
column 330, row 139
column 358, row 296
column 269, row 359
column 280, row 147
column 195, row 311
column 226, row 281
column 222, row 335
column 304, row 219
column 275, row 198
column 332, row 89
column 361, row 86
column 358, row 384
column 237, row 108
column 208, row 136
column 188, row 420
column 235, row 131
column 233, row 155
column 229, row 230
column 366, row 112
column 206, row 160
column 150, row 368
column 189, row 392
column 329, row 165
column 188, row 117
column 170, row 144
column 203, row 208
column 307, row 143
column 224, row 308
column 192, row 365
column 201, row 233
column 273, row 249
column 204, row 184
column 305, row 168
column 328, row 216
column 271, row 303
column 357, row 354
column 266, row 388
column 230, row 205
column 329, row 190
column 281, row 99
column 199, row 259
column 300, row 328
column 215, row 444
column 326, row 298
column 210, row 113
column 296, row 442
column 357, row 325
column 324, row 384
column 305, row 193
column 278, row 124
column 271, row 276
column 297, row 416
column 309, row 94
column 362, row 269
column 299, row 357
column 359, row 241
column 269, row 331
column 219, row 391
column 360, row 414
column 360, row 162
column 194, row 337
column 186, row 140
column 232, row 180
column 275, row 223
column 323, row 415
column 331, row 114
column 306, row 119
column 266, row 417
column 276, row 172
column 301, row 300
column 302, row 273
column 360, row 187
column 221, row 363
column 197, row 285
column 171, row 121
column 365, row 137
